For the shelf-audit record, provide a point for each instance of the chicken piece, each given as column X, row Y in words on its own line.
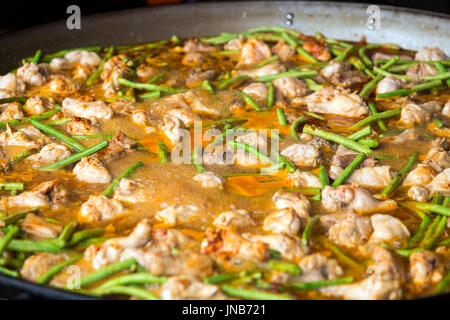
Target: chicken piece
column 81, row 126
column 389, row 84
column 92, row 170
column 38, row 228
column 341, row 73
column 406, row 136
column 123, row 107
column 342, row 159
column 146, row 72
column 384, row 283
column 254, row 51
column 209, row 180
column 269, row 69
column 419, row 176
column 62, row 85
column 129, row 191
column 316, row 267
column 388, row 229
column 194, row 45
column 426, row 54
column 170, row 239
column 438, row 156
column 283, row 50
column 188, row 287
column 257, row 90
column 284, row 221
column 289, row 247
column 419, row 193
column 291, row 87
column 369, row 177
column 118, row 146
column 230, row 244
column 426, row 268
column 36, row 105
column 139, row 117
column 98, row 208
column 33, row 74
column 198, row 104
column 114, row 68
column 351, row 197
column 235, row 44
column 11, row 137
column 38, row 264
column 296, row 201
column 177, row 215
column 194, row 58
column 413, row 114
column 39, row 196
column 11, row 111
column 441, row 183
column 348, row 230
column 12, row 83
column 51, row 153
column 185, row 115
column 335, row 101
column 197, row 75
column 318, row 50
column 97, row 110
column 111, row 250
column 238, row 219
column 302, row 179
column 303, row 155
column 75, row 58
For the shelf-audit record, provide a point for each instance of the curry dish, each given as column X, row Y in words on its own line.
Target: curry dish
column 266, row 164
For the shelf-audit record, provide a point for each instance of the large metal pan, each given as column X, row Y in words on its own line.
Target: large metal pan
column 411, row 29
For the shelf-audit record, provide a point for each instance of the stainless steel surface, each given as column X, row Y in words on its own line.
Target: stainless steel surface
column 411, row 29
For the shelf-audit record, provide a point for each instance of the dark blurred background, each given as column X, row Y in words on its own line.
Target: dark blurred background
column 19, row 14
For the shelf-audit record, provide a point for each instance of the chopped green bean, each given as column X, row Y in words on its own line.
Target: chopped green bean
column 106, row 272
column 290, row 73
column 48, row 276
column 250, row 294
column 223, row 84
column 400, row 175
column 281, row 117
column 270, row 95
column 296, row 286
column 130, row 291
column 295, row 124
column 162, row 151
column 283, row 266
column 109, row 191
column 97, row 73
column 136, row 278
column 364, row 132
column 248, row 100
column 308, row 229
column 376, row 117
column 349, row 170
column 58, row 135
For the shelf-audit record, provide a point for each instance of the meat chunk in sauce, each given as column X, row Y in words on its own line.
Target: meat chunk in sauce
column 99, row 208
column 38, row 228
column 92, row 170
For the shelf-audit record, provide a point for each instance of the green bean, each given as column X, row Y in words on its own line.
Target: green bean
column 266, row 62
column 312, row 85
column 225, row 134
column 274, row 29
column 390, row 63
column 270, row 95
column 11, row 219
column 426, row 85
column 50, row 56
column 400, row 175
column 339, row 254
column 106, row 272
column 304, row 190
column 283, row 266
column 109, row 191
column 73, row 158
column 66, row 234
column 58, row 135
column 207, row 86
column 314, row 115
column 323, row 176
column 80, row 236
column 376, row 117
column 57, row 122
column 438, row 123
column 223, row 38
column 240, row 174
column 200, row 168
column 442, row 70
column 344, row 55
column 364, row 132
column 92, row 136
column 371, row 143
column 35, row 58
column 430, row 229
column 362, row 51
column 346, row 142
column 443, row 284
column 387, row 74
column 136, row 278
column 374, row 110
column 8, row 272
column 405, row 253
column 52, row 272
column 302, row 52
column 223, row 84
column 308, row 229
column 131, row 291
column 33, row 246
column 445, row 243
column 21, row 100
column 349, row 170
column 317, row 284
column 250, row 294
column 148, row 86
column 226, row 52
column 218, row 278
column 97, row 73
column 390, row 132
column 420, row 232
column 295, row 124
column 162, row 151
column 282, row 160
column 248, row 100
column 13, row 231
column 154, row 94
column 281, row 117
column 440, row 228
column 41, row 116
column 441, row 76
column 149, row 45
column 431, row 207
column 252, row 150
column 395, row 93
column 12, row 186
column 290, row 73
column 370, row 86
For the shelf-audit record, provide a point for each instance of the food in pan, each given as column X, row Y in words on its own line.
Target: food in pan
column 266, row 164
